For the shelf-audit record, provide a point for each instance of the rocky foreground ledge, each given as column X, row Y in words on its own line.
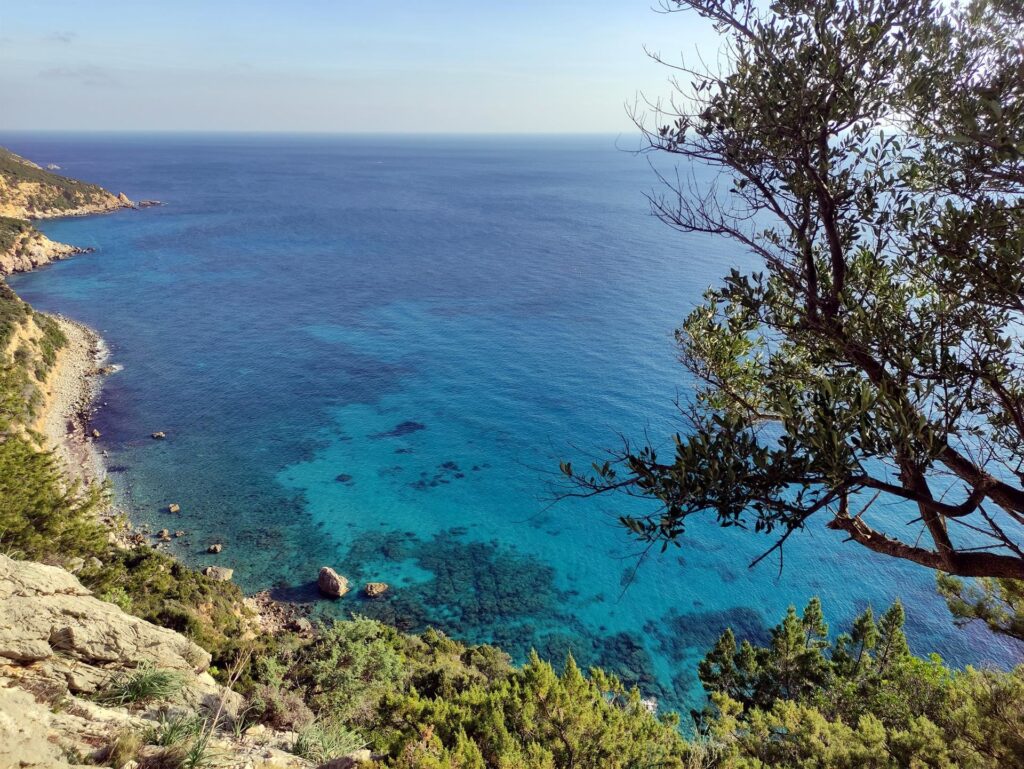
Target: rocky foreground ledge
column 62, row 650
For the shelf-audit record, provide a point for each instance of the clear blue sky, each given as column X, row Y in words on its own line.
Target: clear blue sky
column 347, row 65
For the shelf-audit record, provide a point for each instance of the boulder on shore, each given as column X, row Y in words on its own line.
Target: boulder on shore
column 219, row 573
column 376, row 589
column 331, row 583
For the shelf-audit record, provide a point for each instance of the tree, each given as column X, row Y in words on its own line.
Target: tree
column 999, row 603
column 870, row 153
column 864, row 700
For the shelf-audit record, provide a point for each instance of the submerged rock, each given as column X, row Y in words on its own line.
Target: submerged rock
column 215, row 548
column 331, row 583
column 402, row 428
column 376, row 589
column 174, row 508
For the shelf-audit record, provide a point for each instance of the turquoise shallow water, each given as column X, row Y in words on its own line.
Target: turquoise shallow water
column 373, row 353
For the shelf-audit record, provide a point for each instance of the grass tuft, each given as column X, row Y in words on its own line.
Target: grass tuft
column 145, row 684
column 320, row 743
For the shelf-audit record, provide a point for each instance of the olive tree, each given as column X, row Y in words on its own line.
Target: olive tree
column 870, row 154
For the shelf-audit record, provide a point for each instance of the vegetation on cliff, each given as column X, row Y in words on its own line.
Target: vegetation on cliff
column 11, row 232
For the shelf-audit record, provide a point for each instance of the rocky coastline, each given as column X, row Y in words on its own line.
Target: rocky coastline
column 31, row 249
column 70, row 399
column 61, row 645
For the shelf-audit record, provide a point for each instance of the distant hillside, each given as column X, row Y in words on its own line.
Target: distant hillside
column 30, row 192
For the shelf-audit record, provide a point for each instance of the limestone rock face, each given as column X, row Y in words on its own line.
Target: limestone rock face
column 46, row 615
column 331, row 583
column 32, row 249
column 57, row 641
column 24, row 732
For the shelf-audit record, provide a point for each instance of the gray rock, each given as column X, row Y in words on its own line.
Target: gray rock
column 219, row 573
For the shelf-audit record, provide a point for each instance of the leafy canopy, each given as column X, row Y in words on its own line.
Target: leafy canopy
column 861, row 700
column 870, row 153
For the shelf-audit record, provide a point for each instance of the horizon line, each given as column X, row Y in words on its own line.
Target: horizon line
column 298, row 132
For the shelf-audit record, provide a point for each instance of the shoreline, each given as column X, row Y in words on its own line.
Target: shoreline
column 71, row 391
column 70, row 395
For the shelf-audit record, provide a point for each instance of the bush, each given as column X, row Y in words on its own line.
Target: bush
column 535, row 717
column 42, row 516
column 173, row 730
column 860, row 700
column 281, row 708
column 346, row 672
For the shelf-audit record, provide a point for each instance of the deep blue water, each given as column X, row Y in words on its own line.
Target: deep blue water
column 372, row 353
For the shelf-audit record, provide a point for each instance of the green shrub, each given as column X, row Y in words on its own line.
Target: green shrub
column 345, row 673
column 862, row 699
column 536, row 717
column 11, row 231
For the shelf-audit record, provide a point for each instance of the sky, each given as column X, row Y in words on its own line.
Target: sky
column 441, row 66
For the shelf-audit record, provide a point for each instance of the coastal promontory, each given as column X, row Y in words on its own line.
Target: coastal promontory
column 28, row 192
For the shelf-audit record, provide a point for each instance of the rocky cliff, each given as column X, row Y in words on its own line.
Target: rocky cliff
column 30, row 192
column 70, row 691
column 23, row 247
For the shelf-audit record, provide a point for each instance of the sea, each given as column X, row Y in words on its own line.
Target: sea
column 373, row 352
